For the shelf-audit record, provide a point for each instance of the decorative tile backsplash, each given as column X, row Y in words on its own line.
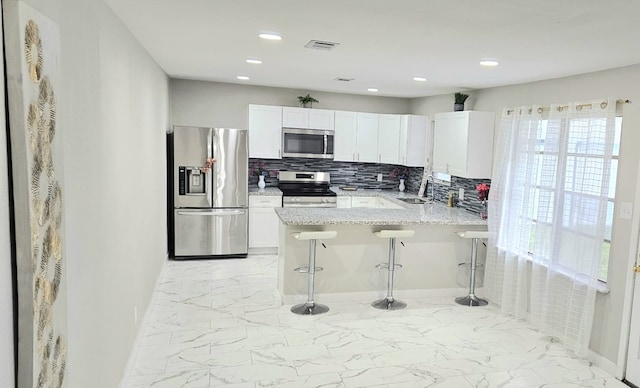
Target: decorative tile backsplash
column 365, row 175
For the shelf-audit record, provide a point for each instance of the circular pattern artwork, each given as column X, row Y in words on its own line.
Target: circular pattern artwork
column 33, row 50
column 46, row 217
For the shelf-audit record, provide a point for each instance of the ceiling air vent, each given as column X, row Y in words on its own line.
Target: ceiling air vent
column 321, row 45
column 342, row 79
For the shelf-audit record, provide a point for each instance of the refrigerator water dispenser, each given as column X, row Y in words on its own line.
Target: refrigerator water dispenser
column 191, row 181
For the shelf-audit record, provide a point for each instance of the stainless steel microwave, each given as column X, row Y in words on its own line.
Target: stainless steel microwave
column 307, row 143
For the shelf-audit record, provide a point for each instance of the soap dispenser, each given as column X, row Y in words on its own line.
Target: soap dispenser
column 451, row 200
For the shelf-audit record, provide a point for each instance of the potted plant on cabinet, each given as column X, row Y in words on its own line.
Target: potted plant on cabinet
column 307, row 101
column 458, row 101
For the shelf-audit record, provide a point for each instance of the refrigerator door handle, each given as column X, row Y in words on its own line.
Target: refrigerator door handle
column 212, row 170
column 214, row 213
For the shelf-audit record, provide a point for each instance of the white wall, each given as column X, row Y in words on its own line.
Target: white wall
column 113, row 105
column 618, row 84
column 116, row 116
column 226, row 105
column 6, row 296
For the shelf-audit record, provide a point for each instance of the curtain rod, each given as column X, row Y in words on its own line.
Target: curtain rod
column 546, row 108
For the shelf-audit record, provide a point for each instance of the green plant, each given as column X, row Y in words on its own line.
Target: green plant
column 307, row 99
column 460, row 98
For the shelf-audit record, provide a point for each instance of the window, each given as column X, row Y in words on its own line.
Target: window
column 575, row 165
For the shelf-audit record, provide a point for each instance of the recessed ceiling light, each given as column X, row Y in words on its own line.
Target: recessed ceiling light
column 489, row 62
column 254, row 61
column 242, row 77
column 420, row 79
column 270, row 35
column 372, row 89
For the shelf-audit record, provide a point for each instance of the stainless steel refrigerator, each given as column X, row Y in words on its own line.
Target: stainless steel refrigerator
column 210, row 204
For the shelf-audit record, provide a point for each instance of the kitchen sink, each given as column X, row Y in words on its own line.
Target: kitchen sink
column 415, row 201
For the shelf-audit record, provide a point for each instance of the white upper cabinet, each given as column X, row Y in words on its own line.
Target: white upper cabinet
column 344, row 141
column 388, row 138
column 307, row 118
column 295, row 117
column 463, row 144
column 415, row 141
column 321, row 119
column 367, row 138
column 265, row 131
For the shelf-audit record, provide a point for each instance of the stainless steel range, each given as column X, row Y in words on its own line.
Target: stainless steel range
column 306, row 189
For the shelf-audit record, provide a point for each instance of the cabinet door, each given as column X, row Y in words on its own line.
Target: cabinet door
column 388, row 139
column 344, row 141
column 383, row 203
column 321, row 119
column 295, row 117
column 263, row 227
column 370, row 202
column 344, row 202
column 414, row 141
column 367, row 138
column 265, row 131
column 450, row 143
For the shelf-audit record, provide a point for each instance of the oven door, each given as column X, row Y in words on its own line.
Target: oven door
column 307, row 143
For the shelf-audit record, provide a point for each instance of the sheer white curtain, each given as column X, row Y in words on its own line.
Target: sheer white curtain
column 548, row 206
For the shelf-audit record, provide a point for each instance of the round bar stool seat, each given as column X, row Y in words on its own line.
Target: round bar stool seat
column 316, row 235
column 389, row 302
column 471, row 299
column 310, row 307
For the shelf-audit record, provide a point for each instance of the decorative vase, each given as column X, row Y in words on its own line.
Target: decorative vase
column 458, row 107
column 261, row 183
column 401, row 185
column 483, row 210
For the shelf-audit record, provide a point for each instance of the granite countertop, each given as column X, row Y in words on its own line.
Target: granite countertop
column 425, row 214
column 266, row 191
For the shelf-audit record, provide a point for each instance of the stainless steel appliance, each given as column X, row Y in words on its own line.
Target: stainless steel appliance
column 307, row 143
column 306, row 189
column 210, row 193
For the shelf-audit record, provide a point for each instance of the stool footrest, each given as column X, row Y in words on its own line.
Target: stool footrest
column 306, row 269
column 386, row 266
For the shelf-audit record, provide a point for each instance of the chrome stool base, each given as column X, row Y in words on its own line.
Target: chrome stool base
column 389, row 304
column 471, row 301
column 309, row 309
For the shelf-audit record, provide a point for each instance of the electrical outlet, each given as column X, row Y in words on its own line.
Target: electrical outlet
column 135, row 315
column 461, row 194
column 379, row 177
column 626, row 210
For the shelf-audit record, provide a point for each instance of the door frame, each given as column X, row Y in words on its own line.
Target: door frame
column 630, row 282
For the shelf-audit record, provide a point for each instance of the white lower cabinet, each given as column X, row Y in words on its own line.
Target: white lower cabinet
column 368, row 202
column 371, row 202
column 343, row 202
column 263, row 221
column 383, row 203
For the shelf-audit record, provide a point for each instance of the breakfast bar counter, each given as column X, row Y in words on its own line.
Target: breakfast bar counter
column 431, row 259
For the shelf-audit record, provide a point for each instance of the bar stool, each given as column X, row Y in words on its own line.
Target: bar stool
column 475, row 236
column 389, row 302
column 310, row 307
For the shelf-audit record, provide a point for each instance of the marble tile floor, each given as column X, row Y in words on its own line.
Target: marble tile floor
column 220, row 323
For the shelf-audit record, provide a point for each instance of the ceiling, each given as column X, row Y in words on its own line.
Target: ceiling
column 385, row 43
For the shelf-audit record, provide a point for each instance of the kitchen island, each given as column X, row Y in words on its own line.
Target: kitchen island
column 430, row 259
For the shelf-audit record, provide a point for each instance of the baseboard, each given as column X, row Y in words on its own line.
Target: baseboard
column 124, row 383
column 601, row 362
column 263, row 251
column 368, row 296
